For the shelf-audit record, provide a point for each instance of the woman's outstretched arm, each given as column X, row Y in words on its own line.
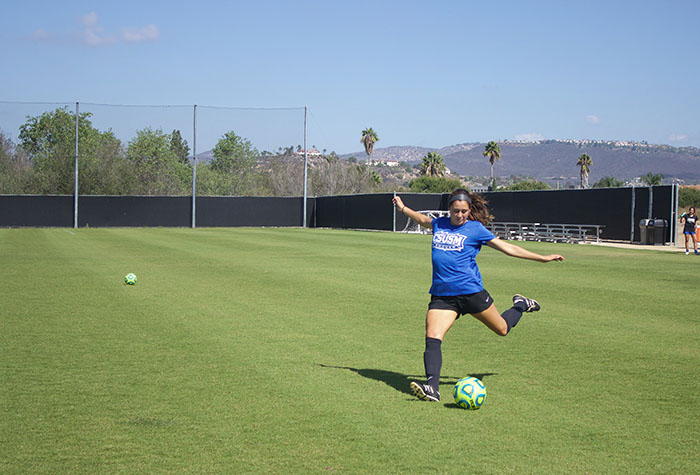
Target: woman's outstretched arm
column 517, row 251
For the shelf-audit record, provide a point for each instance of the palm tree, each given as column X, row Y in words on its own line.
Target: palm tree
column 585, row 162
column 369, row 138
column 652, row 179
column 433, row 165
column 493, row 151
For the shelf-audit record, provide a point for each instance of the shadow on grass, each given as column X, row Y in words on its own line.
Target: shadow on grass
column 400, row 381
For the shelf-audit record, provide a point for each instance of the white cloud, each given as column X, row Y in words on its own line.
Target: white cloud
column 678, row 138
column 593, row 119
column 91, row 33
column 531, row 137
column 95, row 37
column 146, row 33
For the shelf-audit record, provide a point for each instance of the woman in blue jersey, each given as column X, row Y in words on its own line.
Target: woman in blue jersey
column 457, row 288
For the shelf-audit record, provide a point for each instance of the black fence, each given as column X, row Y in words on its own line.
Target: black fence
column 618, row 209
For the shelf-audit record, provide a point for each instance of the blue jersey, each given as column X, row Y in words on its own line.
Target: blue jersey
column 454, row 252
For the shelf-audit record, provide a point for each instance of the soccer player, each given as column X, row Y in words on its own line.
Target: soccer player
column 457, row 288
column 690, row 220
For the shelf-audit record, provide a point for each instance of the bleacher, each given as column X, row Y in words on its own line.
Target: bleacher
column 568, row 233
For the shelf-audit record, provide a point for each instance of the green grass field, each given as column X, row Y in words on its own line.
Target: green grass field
column 291, row 350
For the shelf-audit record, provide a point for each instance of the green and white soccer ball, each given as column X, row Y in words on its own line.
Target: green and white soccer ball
column 470, row 393
column 130, row 278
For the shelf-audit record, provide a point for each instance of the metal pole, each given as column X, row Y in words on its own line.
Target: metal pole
column 651, row 201
column 632, row 218
column 674, row 212
column 393, row 228
column 75, row 185
column 194, row 167
column 303, row 218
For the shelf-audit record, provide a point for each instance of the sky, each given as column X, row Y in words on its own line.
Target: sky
column 428, row 74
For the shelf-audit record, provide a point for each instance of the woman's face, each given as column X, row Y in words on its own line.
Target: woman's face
column 692, row 210
column 459, row 212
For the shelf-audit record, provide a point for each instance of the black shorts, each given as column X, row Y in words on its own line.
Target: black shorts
column 462, row 304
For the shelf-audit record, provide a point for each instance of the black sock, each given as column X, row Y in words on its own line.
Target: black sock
column 432, row 358
column 512, row 315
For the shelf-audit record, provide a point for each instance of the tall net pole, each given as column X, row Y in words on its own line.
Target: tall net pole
column 632, row 218
column 194, row 167
column 674, row 213
column 75, row 184
column 303, row 217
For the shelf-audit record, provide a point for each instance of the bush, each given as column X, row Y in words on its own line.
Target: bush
column 609, row 182
column 688, row 196
column 526, row 185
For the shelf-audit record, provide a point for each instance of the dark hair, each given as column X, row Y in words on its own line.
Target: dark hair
column 478, row 208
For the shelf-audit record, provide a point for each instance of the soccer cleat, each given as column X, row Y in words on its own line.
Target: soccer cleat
column 425, row 392
column 696, row 252
column 530, row 304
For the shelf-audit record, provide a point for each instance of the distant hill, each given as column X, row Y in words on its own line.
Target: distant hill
column 550, row 160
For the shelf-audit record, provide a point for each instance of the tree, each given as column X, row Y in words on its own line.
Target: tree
column 688, row 196
column 233, row 167
column 179, row 147
column 375, row 177
column 15, row 168
column 49, row 143
column 432, row 184
column 585, row 162
column 652, row 179
column 369, row 138
column 493, row 152
column 433, row 165
column 233, row 154
column 159, row 170
column 609, row 182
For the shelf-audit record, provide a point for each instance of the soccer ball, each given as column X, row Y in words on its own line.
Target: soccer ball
column 470, row 393
column 130, row 278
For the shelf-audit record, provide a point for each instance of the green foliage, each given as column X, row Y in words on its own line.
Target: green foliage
column 49, row 142
column 108, row 172
column 584, row 162
column 233, row 154
column 431, row 184
column 179, row 147
column 609, row 182
column 688, row 196
column 433, row 165
column 525, row 185
column 652, row 179
column 369, row 138
column 375, row 177
column 158, row 168
column 493, row 151
column 15, row 168
column 232, row 170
